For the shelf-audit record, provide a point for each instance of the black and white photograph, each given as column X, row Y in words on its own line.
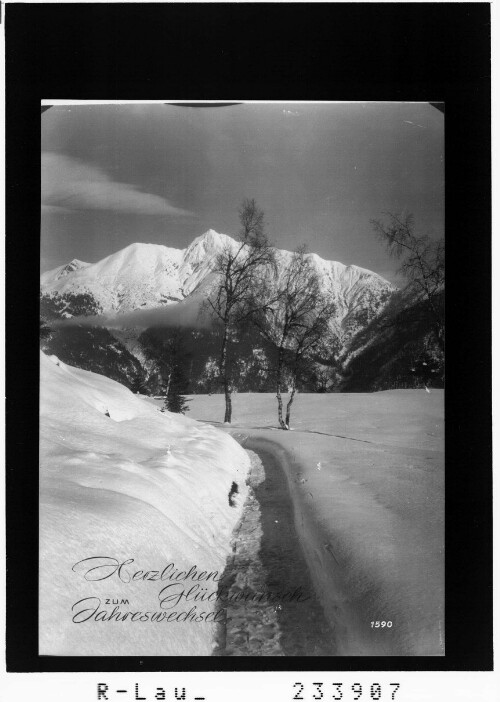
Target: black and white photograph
column 242, row 372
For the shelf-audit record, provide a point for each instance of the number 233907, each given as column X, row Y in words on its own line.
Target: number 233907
column 344, row 691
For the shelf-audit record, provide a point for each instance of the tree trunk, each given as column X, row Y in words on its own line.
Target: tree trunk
column 225, row 376
column 167, row 389
column 439, row 332
column 289, row 404
column 279, row 370
column 227, row 395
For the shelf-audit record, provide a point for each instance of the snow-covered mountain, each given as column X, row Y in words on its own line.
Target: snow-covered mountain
column 140, row 275
column 146, row 276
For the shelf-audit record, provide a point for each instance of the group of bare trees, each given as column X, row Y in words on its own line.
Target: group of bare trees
column 289, row 308
column 296, row 323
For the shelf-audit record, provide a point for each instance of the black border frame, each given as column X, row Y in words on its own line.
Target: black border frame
column 432, row 52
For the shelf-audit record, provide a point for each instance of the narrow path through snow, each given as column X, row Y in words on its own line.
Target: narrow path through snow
column 271, row 608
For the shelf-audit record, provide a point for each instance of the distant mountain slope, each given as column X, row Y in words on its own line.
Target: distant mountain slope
column 88, row 348
column 397, row 349
column 57, row 273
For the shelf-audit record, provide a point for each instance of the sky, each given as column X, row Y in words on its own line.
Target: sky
column 113, row 175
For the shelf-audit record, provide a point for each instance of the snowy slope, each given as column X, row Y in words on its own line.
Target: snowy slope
column 120, row 480
column 56, row 274
column 145, row 276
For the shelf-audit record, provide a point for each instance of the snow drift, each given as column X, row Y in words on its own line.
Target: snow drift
column 122, row 482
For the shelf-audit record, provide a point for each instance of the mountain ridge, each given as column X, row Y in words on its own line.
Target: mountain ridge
column 145, row 276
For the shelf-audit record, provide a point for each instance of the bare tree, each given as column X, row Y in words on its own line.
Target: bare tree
column 423, row 265
column 243, row 268
column 297, row 323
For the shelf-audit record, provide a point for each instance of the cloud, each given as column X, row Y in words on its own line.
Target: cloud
column 69, row 184
column 187, row 313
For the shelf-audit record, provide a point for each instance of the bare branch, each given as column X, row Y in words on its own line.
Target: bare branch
column 423, row 263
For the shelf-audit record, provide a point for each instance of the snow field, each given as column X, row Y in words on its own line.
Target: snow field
column 366, row 476
column 120, row 480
